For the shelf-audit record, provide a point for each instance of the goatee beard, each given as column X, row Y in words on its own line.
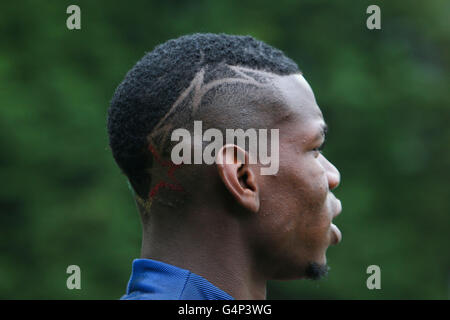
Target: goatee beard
column 316, row 271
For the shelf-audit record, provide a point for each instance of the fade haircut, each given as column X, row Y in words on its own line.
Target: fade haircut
column 171, row 84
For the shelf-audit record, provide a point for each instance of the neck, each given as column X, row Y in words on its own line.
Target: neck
column 209, row 244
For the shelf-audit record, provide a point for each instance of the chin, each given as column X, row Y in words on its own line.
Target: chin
column 316, row 271
column 313, row 269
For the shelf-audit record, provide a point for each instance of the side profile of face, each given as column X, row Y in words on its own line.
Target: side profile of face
column 294, row 227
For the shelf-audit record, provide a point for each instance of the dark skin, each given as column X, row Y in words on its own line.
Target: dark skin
column 241, row 228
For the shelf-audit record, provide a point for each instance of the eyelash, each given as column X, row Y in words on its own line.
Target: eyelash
column 320, row 148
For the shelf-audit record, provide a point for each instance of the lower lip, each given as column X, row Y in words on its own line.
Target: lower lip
column 337, row 235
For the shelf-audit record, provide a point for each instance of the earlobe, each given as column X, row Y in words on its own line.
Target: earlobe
column 238, row 176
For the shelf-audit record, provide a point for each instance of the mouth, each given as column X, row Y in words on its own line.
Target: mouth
column 337, row 235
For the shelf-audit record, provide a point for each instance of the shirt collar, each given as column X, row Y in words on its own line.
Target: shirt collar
column 154, row 279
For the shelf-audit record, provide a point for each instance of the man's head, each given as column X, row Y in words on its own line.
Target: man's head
column 229, row 82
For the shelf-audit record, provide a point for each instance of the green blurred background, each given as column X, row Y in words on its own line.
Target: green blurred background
column 384, row 93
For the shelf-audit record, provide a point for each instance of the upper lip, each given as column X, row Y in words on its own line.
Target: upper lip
column 338, row 208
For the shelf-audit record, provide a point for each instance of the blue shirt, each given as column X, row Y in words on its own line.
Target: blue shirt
column 155, row 280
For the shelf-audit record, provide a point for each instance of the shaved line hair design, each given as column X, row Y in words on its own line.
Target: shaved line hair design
column 198, row 89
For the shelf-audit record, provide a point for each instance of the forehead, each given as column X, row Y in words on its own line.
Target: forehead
column 298, row 97
column 306, row 121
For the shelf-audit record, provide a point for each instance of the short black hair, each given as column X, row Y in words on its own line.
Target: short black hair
column 152, row 86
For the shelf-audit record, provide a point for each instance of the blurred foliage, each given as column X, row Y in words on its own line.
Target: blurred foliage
column 384, row 93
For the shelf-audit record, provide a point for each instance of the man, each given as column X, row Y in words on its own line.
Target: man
column 221, row 230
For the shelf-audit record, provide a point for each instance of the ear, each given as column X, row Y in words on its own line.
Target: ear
column 238, row 177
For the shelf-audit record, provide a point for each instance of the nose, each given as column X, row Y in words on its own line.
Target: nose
column 333, row 175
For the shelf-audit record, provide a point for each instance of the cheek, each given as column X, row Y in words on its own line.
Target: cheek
column 294, row 200
column 307, row 210
column 309, row 184
column 314, row 217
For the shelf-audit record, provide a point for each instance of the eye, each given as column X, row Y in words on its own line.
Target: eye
column 319, row 149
